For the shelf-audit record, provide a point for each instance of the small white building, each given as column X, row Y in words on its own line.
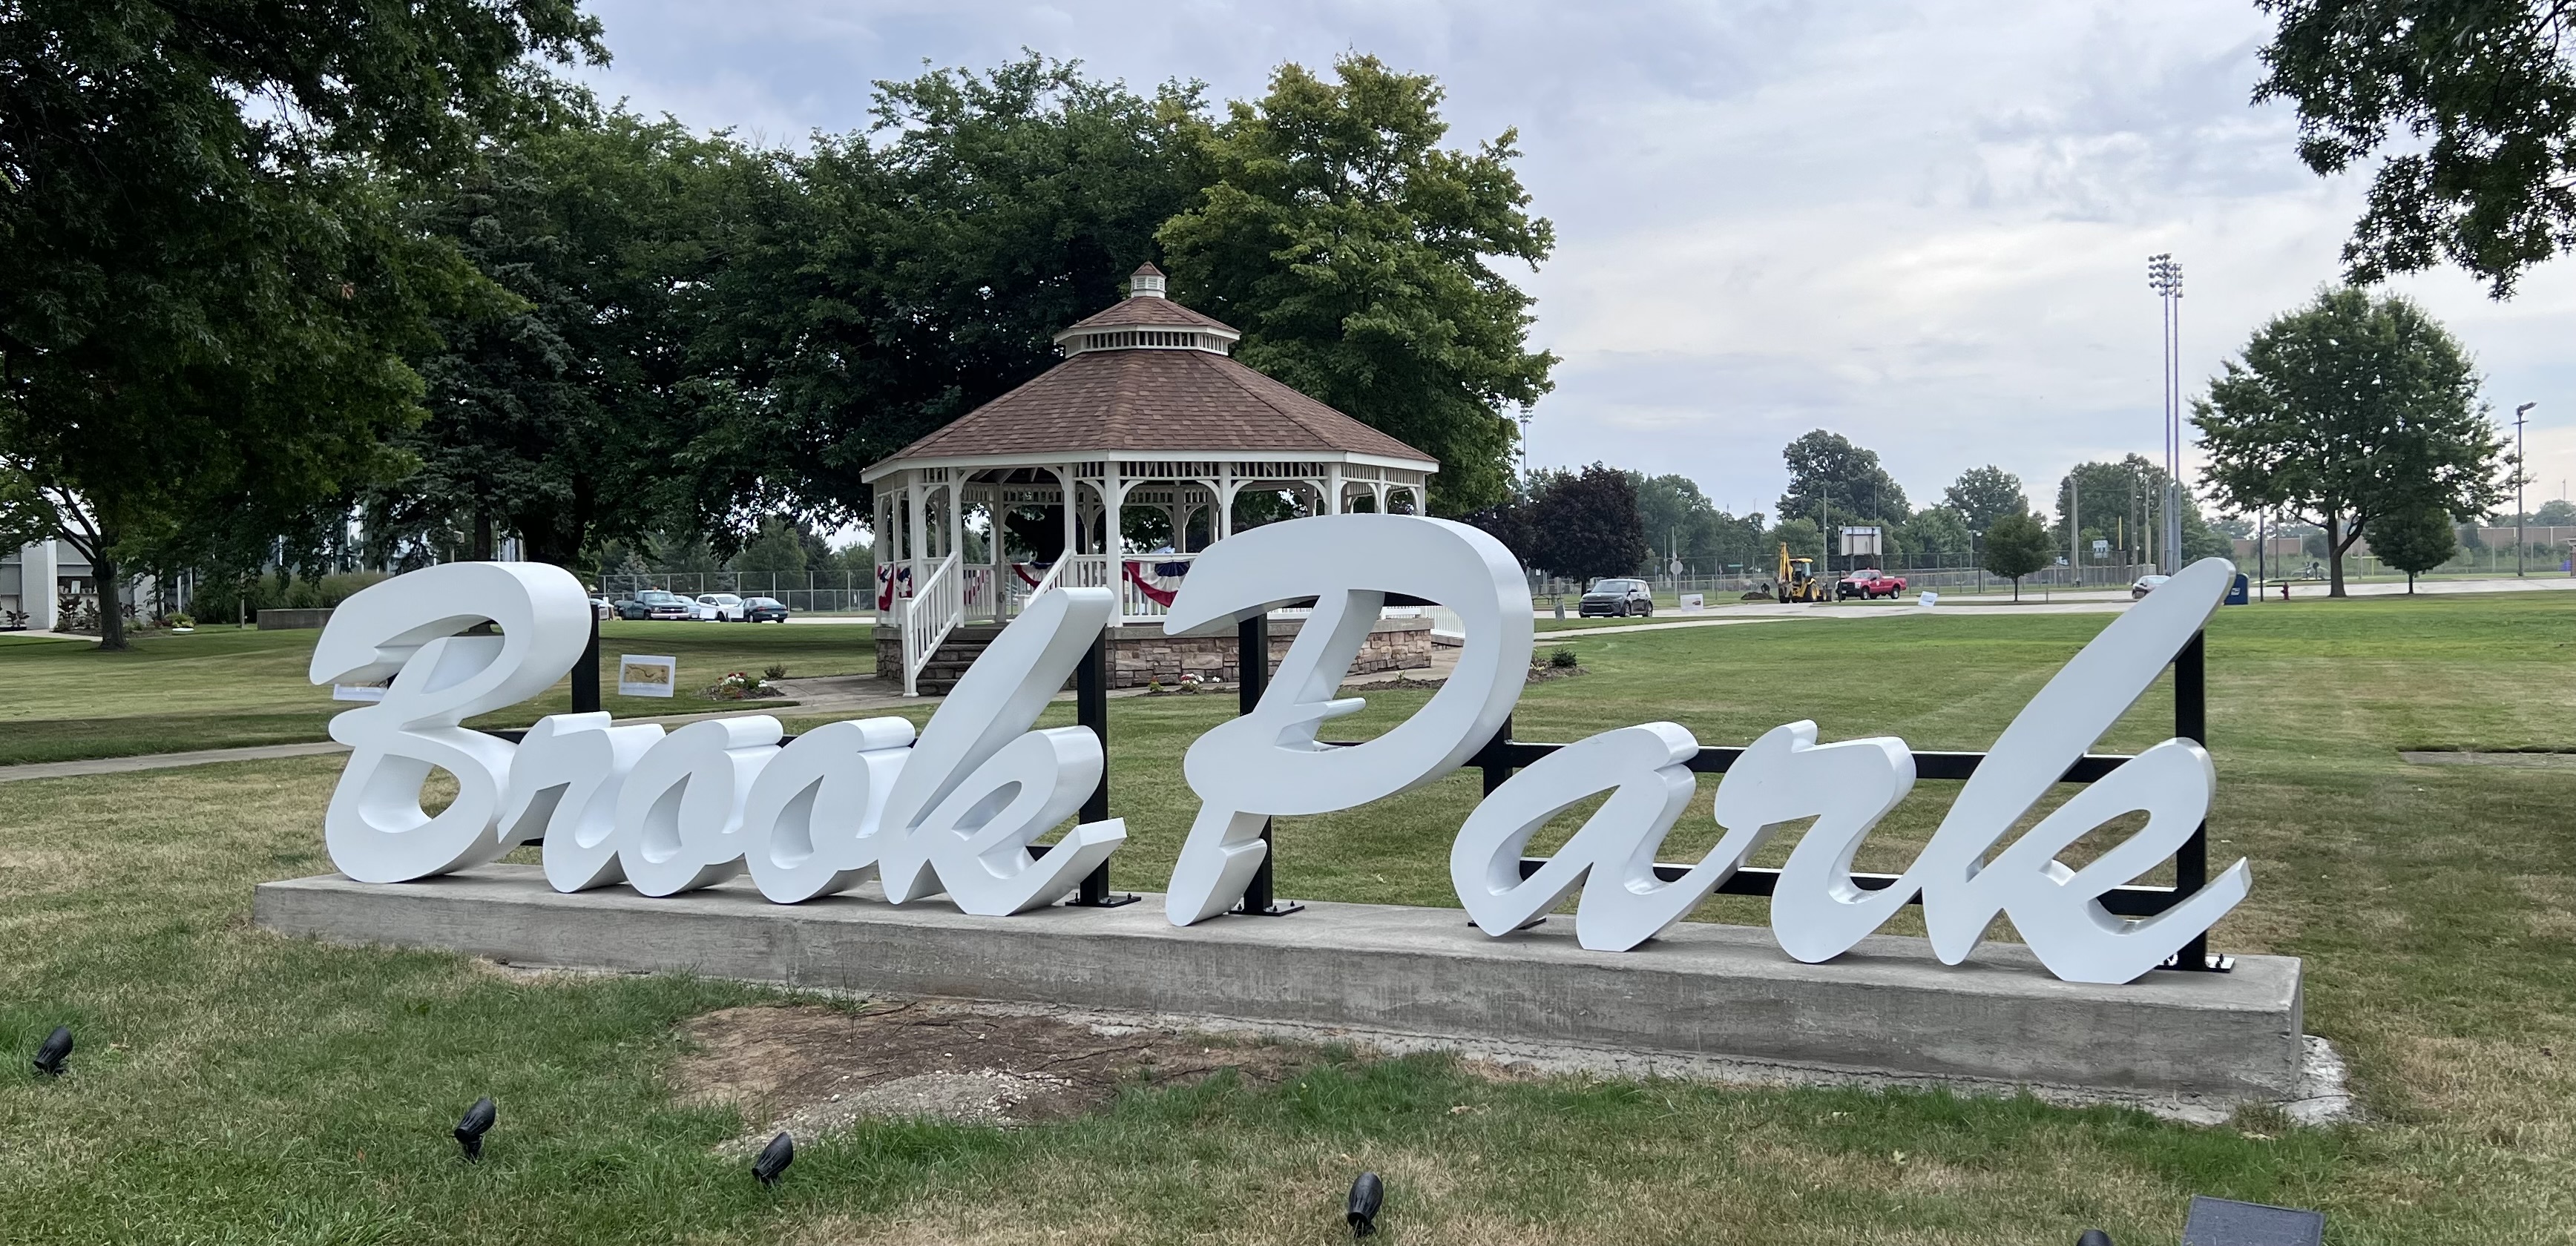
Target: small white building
column 26, row 573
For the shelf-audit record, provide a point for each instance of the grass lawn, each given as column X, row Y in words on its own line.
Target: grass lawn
column 226, row 686
column 232, row 1086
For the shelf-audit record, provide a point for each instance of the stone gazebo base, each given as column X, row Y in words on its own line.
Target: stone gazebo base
column 1142, row 655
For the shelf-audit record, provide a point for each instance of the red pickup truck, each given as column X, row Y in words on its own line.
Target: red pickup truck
column 1869, row 584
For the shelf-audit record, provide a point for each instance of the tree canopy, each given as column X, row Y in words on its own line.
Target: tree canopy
column 2347, row 409
column 211, row 280
column 1982, row 495
column 2413, row 539
column 2474, row 105
column 1357, row 255
column 1829, row 476
column 2015, row 546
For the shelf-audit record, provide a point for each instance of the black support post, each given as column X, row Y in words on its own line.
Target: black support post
column 2191, row 865
column 585, row 674
column 1252, row 667
column 1091, row 709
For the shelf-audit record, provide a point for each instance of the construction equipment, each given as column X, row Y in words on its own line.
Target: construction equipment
column 1796, row 579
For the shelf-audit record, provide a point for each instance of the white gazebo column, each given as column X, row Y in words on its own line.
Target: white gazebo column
column 956, row 520
column 912, row 519
column 37, row 585
column 1377, row 492
column 1072, row 525
column 1333, row 490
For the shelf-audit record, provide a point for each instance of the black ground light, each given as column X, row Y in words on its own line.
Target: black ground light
column 477, row 1122
column 57, row 1048
column 1368, row 1194
column 774, row 1158
column 2094, row 1237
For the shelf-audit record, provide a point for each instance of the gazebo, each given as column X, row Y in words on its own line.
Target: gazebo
column 1111, row 469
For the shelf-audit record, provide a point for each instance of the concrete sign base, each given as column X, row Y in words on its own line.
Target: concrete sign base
column 1888, row 1007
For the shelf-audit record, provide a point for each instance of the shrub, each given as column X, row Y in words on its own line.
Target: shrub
column 775, row 670
column 1563, row 660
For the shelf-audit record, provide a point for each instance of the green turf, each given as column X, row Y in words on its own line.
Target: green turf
column 237, row 1087
column 224, row 686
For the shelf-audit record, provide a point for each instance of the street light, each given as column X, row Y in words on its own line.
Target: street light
column 2164, row 276
column 2520, row 548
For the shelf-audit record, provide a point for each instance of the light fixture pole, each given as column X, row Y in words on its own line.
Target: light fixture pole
column 2164, row 276
column 1524, row 447
column 2521, row 547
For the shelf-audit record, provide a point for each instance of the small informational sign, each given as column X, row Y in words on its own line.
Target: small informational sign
column 647, row 676
column 1861, row 541
column 1927, row 599
column 360, row 692
column 1693, row 603
column 2100, row 547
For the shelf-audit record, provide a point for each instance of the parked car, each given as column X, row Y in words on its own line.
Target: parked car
column 1617, row 599
column 2146, row 584
column 653, row 603
column 1869, row 585
column 764, row 609
column 718, row 608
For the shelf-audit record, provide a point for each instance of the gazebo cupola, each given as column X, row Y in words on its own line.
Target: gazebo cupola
column 1112, row 469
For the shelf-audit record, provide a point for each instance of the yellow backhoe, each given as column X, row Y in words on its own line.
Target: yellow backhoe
column 1796, row 579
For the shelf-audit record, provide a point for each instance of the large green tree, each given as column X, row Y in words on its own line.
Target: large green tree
column 553, row 418
column 1358, row 256
column 1584, row 525
column 900, row 277
column 1982, row 495
column 2123, row 503
column 2472, row 102
column 2347, row 409
column 1837, row 484
column 211, row 282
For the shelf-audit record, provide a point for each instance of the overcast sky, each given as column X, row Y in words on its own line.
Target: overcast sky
column 1921, row 225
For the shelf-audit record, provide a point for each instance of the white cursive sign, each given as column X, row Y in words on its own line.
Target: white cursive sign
column 957, row 811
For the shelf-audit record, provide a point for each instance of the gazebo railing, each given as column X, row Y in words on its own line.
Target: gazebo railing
column 937, row 606
column 1144, row 584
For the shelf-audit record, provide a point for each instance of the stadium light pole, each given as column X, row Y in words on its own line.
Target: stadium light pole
column 2521, row 547
column 2164, row 276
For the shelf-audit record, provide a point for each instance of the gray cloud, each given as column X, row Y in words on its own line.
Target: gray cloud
column 1921, row 224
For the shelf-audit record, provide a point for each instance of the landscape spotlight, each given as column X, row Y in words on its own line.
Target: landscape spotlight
column 57, row 1048
column 477, row 1122
column 774, row 1158
column 1367, row 1195
column 2094, row 1237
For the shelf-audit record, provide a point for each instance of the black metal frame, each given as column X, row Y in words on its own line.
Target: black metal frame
column 1503, row 754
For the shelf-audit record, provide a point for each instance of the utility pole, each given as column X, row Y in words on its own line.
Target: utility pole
column 2521, row 548
column 2164, row 276
column 1524, row 447
column 2075, row 528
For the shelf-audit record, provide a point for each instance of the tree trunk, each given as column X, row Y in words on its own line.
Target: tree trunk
column 2334, row 552
column 111, row 604
column 482, row 532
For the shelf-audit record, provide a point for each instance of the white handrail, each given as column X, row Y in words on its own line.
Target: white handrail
column 1052, row 579
column 937, row 606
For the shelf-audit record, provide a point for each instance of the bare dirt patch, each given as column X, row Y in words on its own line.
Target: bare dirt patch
column 812, row 1069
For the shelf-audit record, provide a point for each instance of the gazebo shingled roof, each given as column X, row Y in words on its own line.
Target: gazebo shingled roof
column 1153, row 401
column 1149, row 376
